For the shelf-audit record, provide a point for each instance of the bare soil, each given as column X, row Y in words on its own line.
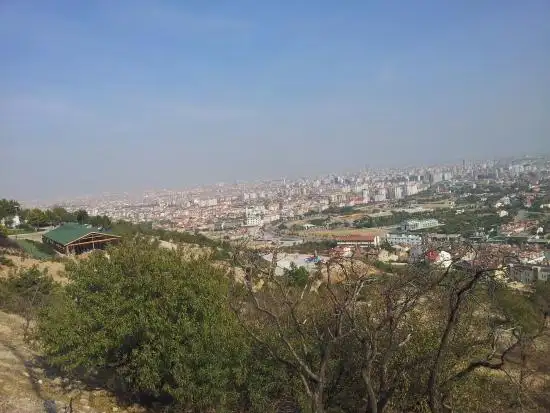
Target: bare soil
column 27, row 386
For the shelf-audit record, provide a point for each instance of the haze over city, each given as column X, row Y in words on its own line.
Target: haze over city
column 133, row 95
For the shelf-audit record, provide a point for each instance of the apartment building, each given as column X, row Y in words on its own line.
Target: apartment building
column 404, row 239
column 418, row 224
column 529, row 273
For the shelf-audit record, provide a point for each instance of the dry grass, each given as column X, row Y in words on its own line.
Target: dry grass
column 331, row 233
column 55, row 269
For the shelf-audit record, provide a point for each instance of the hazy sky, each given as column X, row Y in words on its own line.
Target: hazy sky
column 129, row 95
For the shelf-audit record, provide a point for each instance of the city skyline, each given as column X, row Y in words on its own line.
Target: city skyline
column 114, row 97
column 246, row 184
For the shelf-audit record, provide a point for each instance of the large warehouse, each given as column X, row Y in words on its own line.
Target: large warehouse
column 76, row 239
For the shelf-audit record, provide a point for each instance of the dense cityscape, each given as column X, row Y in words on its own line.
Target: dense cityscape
column 258, row 203
column 503, row 204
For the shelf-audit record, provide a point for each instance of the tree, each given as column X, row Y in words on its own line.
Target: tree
column 36, row 218
column 52, row 217
column 372, row 341
column 8, row 208
column 26, row 292
column 297, row 275
column 152, row 322
column 63, row 214
column 8, row 221
column 100, row 221
column 82, row 216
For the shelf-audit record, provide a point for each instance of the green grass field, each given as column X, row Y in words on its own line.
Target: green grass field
column 36, row 249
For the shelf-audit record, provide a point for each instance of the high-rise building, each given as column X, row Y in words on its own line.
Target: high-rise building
column 366, row 196
column 253, row 217
column 411, row 189
column 395, row 192
column 380, row 195
column 435, row 177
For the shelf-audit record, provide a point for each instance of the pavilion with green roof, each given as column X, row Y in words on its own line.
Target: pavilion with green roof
column 75, row 238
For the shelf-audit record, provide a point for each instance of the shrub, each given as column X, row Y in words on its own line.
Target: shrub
column 6, row 261
column 26, row 293
column 157, row 326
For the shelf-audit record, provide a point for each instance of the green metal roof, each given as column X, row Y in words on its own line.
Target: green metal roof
column 67, row 233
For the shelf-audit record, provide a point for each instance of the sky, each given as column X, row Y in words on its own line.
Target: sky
column 131, row 95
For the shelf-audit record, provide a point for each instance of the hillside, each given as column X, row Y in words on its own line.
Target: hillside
column 54, row 268
column 27, row 387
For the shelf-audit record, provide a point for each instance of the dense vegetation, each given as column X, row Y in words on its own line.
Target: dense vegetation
column 453, row 223
column 154, row 326
column 125, row 228
column 35, row 218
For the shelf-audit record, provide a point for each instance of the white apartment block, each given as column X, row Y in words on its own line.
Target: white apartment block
column 254, row 216
column 366, row 196
column 416, row 224
column 254, row 221
column 411, row 189
column 380, row 195
column 404, row 239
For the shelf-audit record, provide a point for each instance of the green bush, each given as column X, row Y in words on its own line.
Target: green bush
column 6, row 261
column 26, row 291
column 297, row 276
column 157, row 326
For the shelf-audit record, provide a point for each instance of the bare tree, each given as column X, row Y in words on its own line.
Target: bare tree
column 415, row 336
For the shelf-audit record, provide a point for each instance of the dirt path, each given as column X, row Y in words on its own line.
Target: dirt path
column 27, row 387
column 20, row 385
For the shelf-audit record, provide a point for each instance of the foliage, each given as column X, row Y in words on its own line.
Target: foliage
column 385, row 245
column 36, row 249
column 160, row 327
column 25, row 292
column 8, row 208
column 414, row 342
column 156, row 325
column 60, row 215
column 82, row 216
column 347, row 210
column 395, row 218
column 125, row 228
column 100, row 221
column 318, row 222
column 37, row 218
column 6, row 261
column 297, row 276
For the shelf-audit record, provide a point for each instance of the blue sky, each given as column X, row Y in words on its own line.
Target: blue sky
column 153, row 94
